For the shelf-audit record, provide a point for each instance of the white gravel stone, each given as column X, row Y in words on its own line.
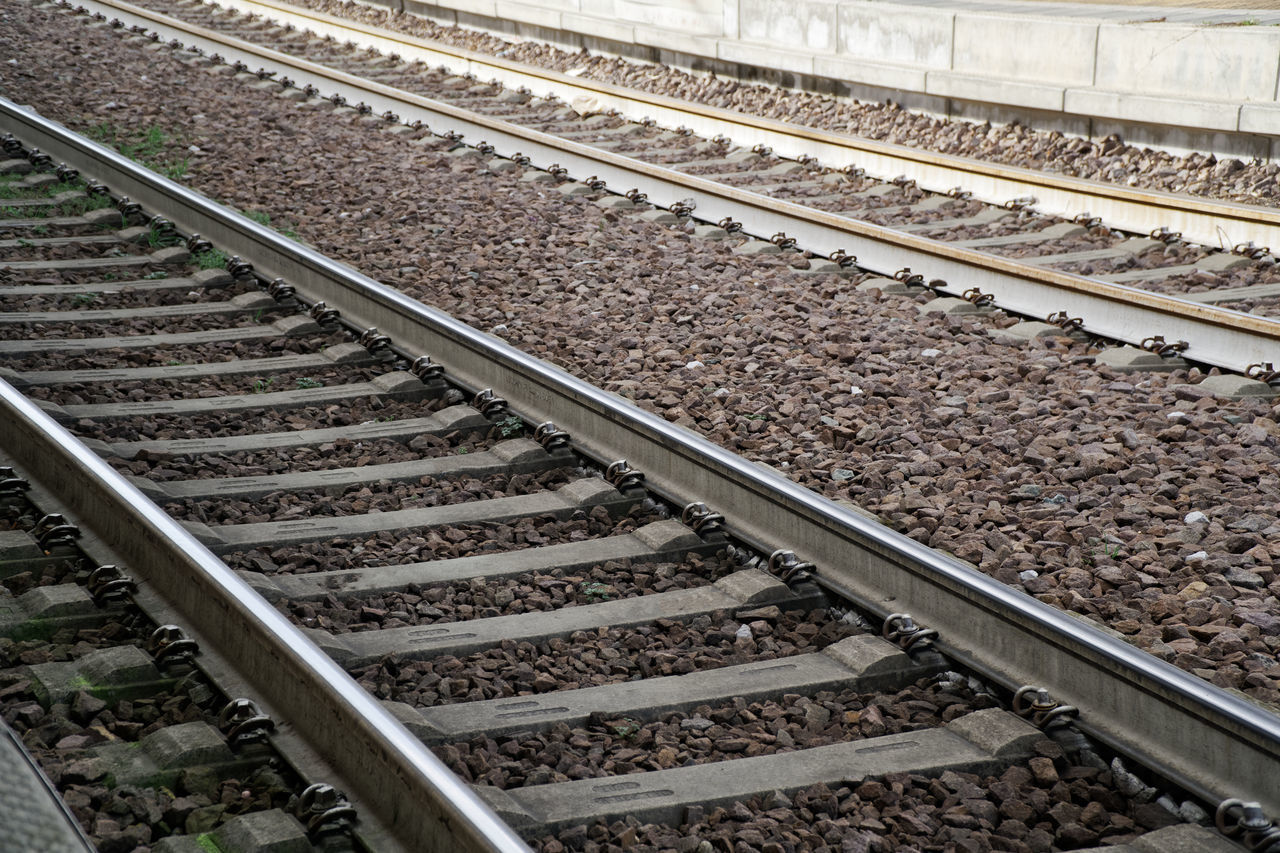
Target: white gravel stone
column 1192, row 813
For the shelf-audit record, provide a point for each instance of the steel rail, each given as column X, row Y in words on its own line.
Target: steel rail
column 1207, row 221
column 1216, row 336
column 419, row 799
column 1216, row 742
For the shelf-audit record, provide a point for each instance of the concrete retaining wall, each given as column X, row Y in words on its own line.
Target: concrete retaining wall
column 1205, row 80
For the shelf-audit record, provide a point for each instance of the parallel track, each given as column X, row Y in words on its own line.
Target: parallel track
column 1215, row 223
column 1214, row 336
column 1202, row 738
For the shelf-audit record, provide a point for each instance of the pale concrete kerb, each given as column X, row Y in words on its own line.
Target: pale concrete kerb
column 692, row 17
column 678, row 42
column 1196, row 63
column 905, row 35
column 890, row 76
column 809, row 24
column 754, row 53
column 995, row 90
column 1154, row 109
column 527, row 14
column 485, row 8
column 1260, row 118
column 613, row 30
column 1022, row 41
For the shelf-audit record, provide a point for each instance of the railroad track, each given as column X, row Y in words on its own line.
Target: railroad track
column 968, row 230
column 1200, row 220
column 128, row 706
column 521, row 646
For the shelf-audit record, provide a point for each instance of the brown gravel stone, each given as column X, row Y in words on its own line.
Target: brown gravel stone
column 899, row 812
column 1043, row 771
column 486, row 598
column 664, row 647
column 611, row 747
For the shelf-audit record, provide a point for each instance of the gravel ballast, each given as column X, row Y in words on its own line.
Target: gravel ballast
column 65, row 738
column 1025, row 809
column 463, row 540
column 1127, row 499
column 1108, row 159
column 611, row 746
column 601, row 656
column 485, row 598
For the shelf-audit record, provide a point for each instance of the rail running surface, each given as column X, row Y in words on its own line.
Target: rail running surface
column 1237, row 341
column 1212, row 742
